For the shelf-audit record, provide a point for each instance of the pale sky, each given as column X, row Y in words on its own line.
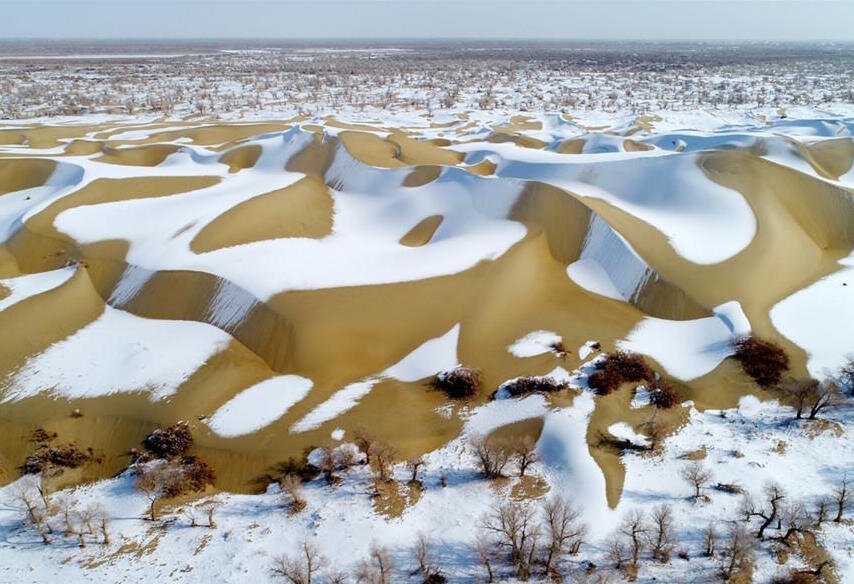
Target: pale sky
column 823, row 20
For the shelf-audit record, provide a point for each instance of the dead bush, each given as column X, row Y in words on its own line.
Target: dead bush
column 763, row 360
column 302, row 567
column 54, row 457
column 458, row 383
column 291, row 487
column 528, row 385
column 617, row 368
column 168, row 442
column 662, row 395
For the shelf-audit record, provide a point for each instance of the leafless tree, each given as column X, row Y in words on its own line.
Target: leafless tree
column 661, row 536
column 736, row 553
column 413, row 465
column 794, row 520
column 378, row 568
column 424, row 555
column 484, row 548
column 155, row 481
column 697, row 476
column 492, row 455
column 515, row 528
column 525, row 453
column 774, row 497
column 382, row 460
column 634, row 528
column 842, row 498
column 710, row 538
column 364, row 441
column 821, row 510
column 302, row 567
column 564, row 530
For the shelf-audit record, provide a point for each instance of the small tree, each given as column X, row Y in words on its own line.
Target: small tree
column 825, row 395
column 364, row 441
column 154, row 481
column 710, row 538
column 842, row 498
column 378, row 568
column 484, row 549
column 697, row 476
column 492, row 455
column 774, row 497
column 514, row 525
column 302, row 567
column 382, row 460
column 564, row 530
column 525, row 453
column 413, row 464
column 423, row 555
column 634, row 529
column 736, row 554
column 661, row 536
column 846, row 374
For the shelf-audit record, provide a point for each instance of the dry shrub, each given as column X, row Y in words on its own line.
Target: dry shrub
column 762, row 360
column 662, row 395
column 459, row 383
column 168, row 442
column 619, row 367
column 68, row 456
column 492, row 454
column 527, row 385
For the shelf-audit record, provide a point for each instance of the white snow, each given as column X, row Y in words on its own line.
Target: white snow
column 820, row 319
column 23, row 287
column 119, row 352
column 688, row 349
column 534, row 343
column 259, row 405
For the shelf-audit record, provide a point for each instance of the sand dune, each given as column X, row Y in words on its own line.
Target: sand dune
column 309, row 267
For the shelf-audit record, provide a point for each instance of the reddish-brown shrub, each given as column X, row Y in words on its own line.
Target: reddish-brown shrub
column 762, row 360
column 459, row 383
column 168, row 442
column 527, row 385
column 199, row 474
column 619, row 367
column 662, row 395
column 68, row 456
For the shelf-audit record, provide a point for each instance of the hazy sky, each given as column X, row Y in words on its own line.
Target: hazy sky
column 553, row 19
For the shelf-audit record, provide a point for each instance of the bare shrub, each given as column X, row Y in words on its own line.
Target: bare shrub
column 54, row 459
column 564, row 529
column 810, row 396
column 171, row 478
column 209, row 508
column 515, row 528
column 291, row 487
column 617, row 368
column 168, row 442
column 527, row 385
column 492, row 455
column 302, row 566
column 364, row 440
column 662, row 395
column 763, row 360
column 458, row 383
column 696, row 475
